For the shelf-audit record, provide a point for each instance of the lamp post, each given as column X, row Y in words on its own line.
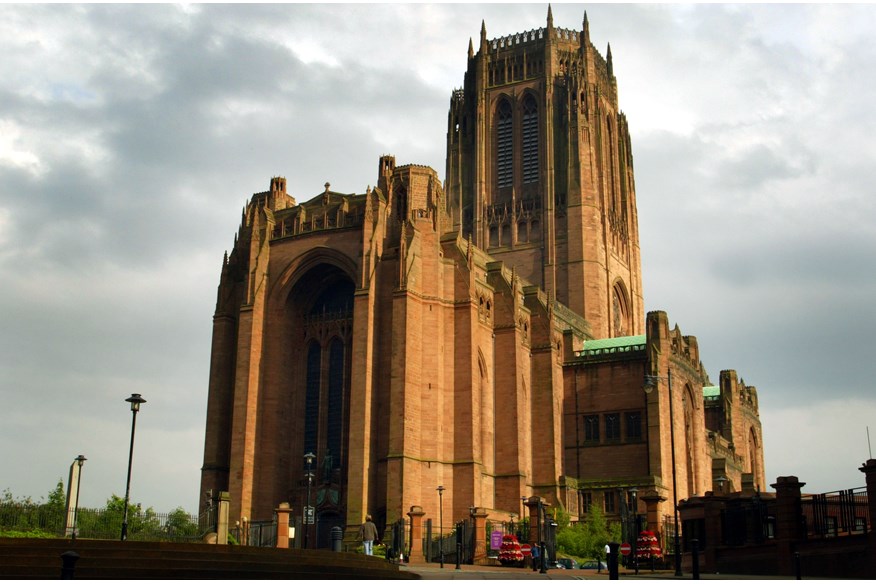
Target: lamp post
column 650, row 382
column 721, row 480
column 79, row 460
column 308, row 511
column 135, row 400
column 542, row 549
column 635, row 537
column 440, row 490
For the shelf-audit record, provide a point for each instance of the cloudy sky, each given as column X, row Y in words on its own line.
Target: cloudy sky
column 131, row 137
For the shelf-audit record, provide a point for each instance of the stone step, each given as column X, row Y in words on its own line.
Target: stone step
column 28, row 559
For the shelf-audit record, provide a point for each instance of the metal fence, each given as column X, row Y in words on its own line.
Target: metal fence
column 458, row 542
column 43, row 520
column 836, row 513
column 255, row 534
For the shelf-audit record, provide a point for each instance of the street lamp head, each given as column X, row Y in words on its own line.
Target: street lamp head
column 309, row 458
column 650, row 383
column 440, row 490
column 135, row 400
column 80, row 460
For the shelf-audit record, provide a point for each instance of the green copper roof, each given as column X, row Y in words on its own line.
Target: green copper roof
column 711, row 392
column 614, row 343
column 612, row 346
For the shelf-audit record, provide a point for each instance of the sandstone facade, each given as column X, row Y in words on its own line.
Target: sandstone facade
column 486, row 333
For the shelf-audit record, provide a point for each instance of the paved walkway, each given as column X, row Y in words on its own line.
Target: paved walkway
column 466, row 572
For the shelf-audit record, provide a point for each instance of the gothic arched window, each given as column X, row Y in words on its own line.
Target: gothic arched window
column 530, row 140
column 335, row 400
column 311, row 398
column 620, row 311
column 504, row 145
column 401, row 208
column 752, row 454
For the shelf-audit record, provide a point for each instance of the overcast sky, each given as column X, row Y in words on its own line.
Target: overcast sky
column 131, row 137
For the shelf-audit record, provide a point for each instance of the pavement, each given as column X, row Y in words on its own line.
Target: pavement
column 466, row 572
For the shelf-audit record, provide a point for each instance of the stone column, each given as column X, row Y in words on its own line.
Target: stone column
column 789, row 527
column 416, row 556
column 283, row 511
column 222, row 524
column 480, row 533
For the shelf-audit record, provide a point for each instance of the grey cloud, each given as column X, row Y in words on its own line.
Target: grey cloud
column 110, row 268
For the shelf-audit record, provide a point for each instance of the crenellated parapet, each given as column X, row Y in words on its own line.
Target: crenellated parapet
column 327, row 211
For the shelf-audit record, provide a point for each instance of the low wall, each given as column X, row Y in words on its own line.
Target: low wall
column 41, row 559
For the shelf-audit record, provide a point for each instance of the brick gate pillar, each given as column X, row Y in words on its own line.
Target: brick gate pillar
column 869, row 470
column 713, row 506
column 535, row 525
column 283, row 511
column 416, row 555
column 789, row 524
column 652, row 501
column 480, row 534
column 222, row 523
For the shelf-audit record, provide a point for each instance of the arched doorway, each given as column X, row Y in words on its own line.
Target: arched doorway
column 319, row 338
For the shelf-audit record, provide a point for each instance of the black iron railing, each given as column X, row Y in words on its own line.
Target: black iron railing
column 836, row 513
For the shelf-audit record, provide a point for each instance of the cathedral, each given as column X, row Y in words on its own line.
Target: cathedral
column 486, row 333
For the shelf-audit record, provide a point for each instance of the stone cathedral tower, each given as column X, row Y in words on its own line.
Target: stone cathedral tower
column 540, row 171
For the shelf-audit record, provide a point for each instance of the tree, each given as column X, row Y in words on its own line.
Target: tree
column 23, row 517
column 57, row 499
column 179, row 523
column 588, row 539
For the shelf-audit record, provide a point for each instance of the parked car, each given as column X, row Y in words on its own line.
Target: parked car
column 567, row 563
column 593, row 565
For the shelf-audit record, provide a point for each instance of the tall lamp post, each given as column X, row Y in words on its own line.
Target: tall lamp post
column 650, row 383
column 635, row 536
column 308, row 511
column 541, row 545
column 79, row 461
column 440, row 490
column 135, row 400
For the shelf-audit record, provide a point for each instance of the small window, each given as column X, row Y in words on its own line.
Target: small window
column 588, row 502
column 612, row 426
column 609, row 502
column 591, row 428
column 634, row 426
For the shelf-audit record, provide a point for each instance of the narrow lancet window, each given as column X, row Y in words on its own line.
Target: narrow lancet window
column 311, row 400
column 530, row 140
column 504, row 145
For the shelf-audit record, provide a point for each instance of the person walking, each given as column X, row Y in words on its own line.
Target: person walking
column 368, row 534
